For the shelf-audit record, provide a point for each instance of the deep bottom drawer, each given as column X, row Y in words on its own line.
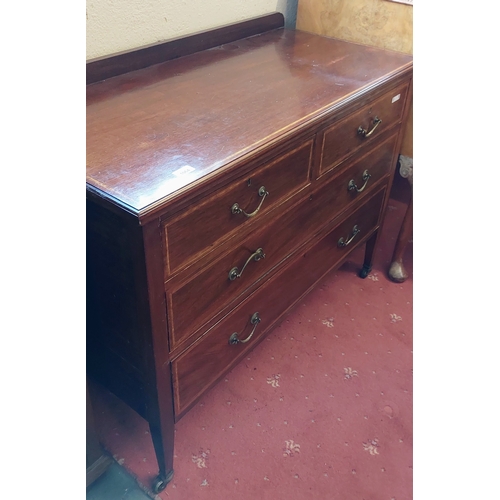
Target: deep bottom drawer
column 213, row 355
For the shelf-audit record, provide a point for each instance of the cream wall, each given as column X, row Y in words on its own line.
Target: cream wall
column 118, row 25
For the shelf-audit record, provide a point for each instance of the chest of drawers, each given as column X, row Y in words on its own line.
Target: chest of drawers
column 221, row 186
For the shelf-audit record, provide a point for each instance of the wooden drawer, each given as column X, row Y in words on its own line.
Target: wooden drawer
column 342, row 139
column 207, row 360
column 192, row 304
column 205, row 225
column 358, row 178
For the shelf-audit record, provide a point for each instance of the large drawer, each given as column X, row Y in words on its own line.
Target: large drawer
column 203, row 226
column 343, row 138
column 209, row 358
column 191, row 304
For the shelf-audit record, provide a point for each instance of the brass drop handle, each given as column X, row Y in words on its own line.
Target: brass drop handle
column 352, row 185
column 254, row 320
column 364, row 133
column 341, row 243
column 235, row 209
column 257, row 255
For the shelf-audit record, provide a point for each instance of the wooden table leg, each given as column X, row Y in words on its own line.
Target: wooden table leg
column 397, row 271
column 161, row 426
column 369, row 252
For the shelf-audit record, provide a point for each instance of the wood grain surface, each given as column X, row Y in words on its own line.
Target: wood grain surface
column 153, row 132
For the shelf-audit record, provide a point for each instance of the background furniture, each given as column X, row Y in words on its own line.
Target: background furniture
column 220, row 188
column 397, row 271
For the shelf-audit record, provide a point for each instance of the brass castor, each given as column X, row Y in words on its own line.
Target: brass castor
column 160, row 483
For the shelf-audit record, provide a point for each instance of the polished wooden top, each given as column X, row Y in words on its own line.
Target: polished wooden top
column 156, row 132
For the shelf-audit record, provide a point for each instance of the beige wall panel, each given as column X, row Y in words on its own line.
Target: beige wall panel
column 379, row 23
column 115, row 26
column 371, row 22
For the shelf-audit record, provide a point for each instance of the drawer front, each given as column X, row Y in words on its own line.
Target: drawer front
column 357, row 179
column 360, row 128
column 208, row 359
column 194, row 303
column 199, row 229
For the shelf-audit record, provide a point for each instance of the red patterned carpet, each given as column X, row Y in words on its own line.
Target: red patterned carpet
column 321, row 409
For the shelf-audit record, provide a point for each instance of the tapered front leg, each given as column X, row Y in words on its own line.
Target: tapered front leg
column 164, row 449
column 161, row 425
column 369, row 252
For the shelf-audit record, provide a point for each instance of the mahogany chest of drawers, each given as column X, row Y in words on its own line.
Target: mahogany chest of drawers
column 221, row 186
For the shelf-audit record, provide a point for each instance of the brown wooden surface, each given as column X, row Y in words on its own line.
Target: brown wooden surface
column 117, row 64
column 117, row 303
column 207, row 110
column 127, row 344
column 335, row 196
column 198, row 229
column 211, row 291
column 407, row 144
column 158, row 392
column 170, row 149
column 341, row 139
column 192, row 303
column 200, row 366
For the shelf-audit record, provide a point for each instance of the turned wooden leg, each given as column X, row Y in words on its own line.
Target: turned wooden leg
column 397, row 271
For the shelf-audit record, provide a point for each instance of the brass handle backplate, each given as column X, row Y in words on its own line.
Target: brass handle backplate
column 254, row 320
column 352, row 185
column 236, row 209
column 365, row 133
column 257, row 255
column 342, row 243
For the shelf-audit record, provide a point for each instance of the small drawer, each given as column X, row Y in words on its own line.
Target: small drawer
column 207, row 224
column 345, row 137
column 357, row 179
column 197, row 368
column 352, row 230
